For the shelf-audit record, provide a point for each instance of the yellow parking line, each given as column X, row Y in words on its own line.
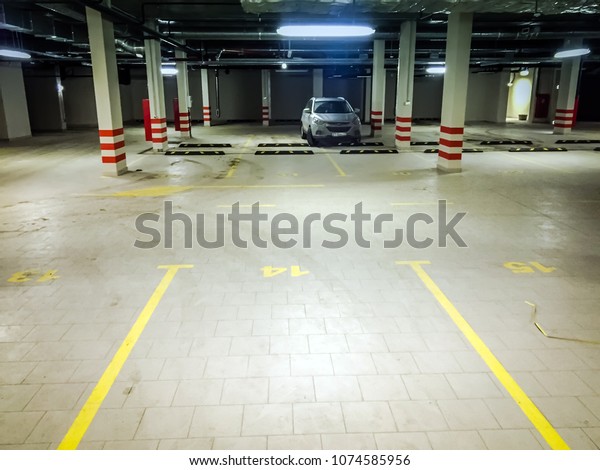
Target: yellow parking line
column 336, row 166
column 258, row 186
column 418, row 203
column 551, row 436
column 93, row 403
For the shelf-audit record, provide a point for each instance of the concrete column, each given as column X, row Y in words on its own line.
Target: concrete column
column 317, row 83
column 266, row 97
column 567, row 91
column 405, row 81
column 106, row 90
column 14, row 115
column 205, row 97
column 378, row 88
column 156, row 93
column 367, row 109
column 183, row 95
column 535, row 76
column 454, row 101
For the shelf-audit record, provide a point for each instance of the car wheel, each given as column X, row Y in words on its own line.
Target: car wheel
column 310, row 139
column 302, row 133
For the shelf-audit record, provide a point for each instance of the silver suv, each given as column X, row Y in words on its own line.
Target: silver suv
column 329, row 119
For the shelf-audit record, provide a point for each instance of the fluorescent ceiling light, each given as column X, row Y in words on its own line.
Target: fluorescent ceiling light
column 284, row 66
column 438, row 70
column 14, row 54
column 139, row 56
column 324, row 30
column 168, row 71
column 524, row 72
column 565, row 53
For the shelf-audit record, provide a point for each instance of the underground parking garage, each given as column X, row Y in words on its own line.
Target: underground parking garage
column 198, row 254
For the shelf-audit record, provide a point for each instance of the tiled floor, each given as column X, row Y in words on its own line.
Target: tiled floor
column 349, row 350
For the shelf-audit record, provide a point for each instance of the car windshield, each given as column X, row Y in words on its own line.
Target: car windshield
column 333, row 106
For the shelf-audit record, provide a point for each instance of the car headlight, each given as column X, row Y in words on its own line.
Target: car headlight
column 356, row 120
column 318, row 122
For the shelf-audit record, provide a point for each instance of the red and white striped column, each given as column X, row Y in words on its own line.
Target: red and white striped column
column 183, row 95
column 266, row 97
column 106, row 90
column 156, row 94
column 402, row 132
column 206, row 112
column 454, row 101
column 563, row 120
column 159, row 133
column 378, row 88
column 112, row 146
column 567, row 90
column 404, row 85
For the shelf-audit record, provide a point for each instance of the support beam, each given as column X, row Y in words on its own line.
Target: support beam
column 156, row 93
column 567, row 91
column 106, row 90
column 317, row 83
column 266, row 97
column 378, row 88
column 205, row 97
column 404, row 86
column 183, row 96
column 456, row 81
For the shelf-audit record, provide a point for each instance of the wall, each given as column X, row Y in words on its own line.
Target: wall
column 286, row 105
column 14, row 118
column 487, row 97
column 44, row 101
column 80, row 102
column 350, row 88
column 427, row 97
column 519, row 96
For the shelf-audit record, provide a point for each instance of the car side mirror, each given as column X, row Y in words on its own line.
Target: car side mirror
column 356, row 110
column 306, row 110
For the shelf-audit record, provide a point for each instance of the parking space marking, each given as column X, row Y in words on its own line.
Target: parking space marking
column 336, row 166
column 229, row 206
column 434, row 203
column 539, row 164
column 550, row 435
column 31, row 274
column 93, row 403
column 525, row 268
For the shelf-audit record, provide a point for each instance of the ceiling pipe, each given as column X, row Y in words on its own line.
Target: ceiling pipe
column 137, row 24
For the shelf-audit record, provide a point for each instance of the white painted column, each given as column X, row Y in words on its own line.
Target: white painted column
column 183, row 95
column 405, row 81
column 266, row 97
column 156, row 93
column 454, row 101
column 205, row 97
column 535, row 77
column 106, row 90
column 567, row 91
column 317, row 83
column 14, row 114
column 378, row 88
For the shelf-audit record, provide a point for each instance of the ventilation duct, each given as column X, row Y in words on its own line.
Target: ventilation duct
column 15, row 20
column 547, row 7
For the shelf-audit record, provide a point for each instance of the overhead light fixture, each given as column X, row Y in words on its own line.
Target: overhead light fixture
column 284, row 66
column 566, row 53
column 139, row 56
column 436, row 70
column 168, row 71
column 524, row 72
column 14, row 54
column 324, row 30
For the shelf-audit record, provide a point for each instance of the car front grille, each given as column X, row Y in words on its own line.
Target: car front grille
column 345, row 128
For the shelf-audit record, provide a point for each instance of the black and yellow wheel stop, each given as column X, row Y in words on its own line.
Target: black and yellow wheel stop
column 466, row 150
column 360, row 144
column 367, row 151
column 428, row 142
column 284, row 152
column 194, row 152
column 203, row 145
column 578, row 141
column 284, row 144
column 538, row 149
column 506, row 142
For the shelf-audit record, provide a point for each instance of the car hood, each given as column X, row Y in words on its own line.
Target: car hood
column 336, row 117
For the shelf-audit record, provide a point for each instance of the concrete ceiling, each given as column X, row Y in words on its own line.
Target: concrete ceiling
column 229, row 34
